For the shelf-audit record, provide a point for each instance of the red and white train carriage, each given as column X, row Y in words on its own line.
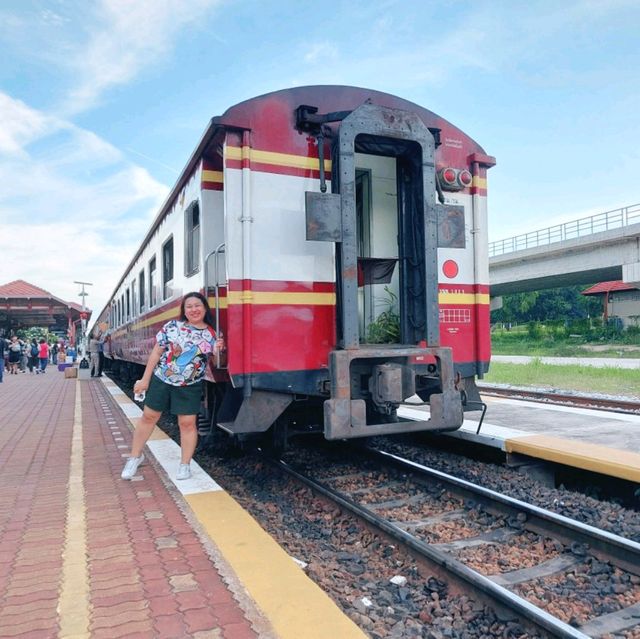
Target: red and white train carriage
column 318, row 219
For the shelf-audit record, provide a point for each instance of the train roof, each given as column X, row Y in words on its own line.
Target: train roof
column 275, row 110
column 279, row 107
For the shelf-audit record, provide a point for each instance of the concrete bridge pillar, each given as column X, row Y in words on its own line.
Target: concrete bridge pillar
column 631, row 274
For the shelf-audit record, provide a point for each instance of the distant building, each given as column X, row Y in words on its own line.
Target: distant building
column 24, row 305
column 619, row 299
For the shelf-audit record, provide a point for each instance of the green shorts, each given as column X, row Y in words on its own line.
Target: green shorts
column 177, row 400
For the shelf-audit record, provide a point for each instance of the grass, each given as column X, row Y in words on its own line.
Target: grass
column 563, row 349
column 610, row 381
column 539, row 339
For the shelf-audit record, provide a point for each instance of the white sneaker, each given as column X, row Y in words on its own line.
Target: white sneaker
column 184, row 472
column 131, row 467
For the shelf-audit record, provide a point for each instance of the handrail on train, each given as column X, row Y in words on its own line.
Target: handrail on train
column 605, row 221
column 219, row 250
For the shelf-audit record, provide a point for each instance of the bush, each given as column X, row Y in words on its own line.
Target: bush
column 535, row 330
column 386, row 327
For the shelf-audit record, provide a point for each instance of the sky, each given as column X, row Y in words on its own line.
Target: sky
column 102, row 103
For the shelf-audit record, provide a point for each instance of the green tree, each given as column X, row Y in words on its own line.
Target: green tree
column 33, row 332
column 559, row 304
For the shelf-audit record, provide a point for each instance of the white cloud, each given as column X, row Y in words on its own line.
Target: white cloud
column 129, row 37
column 72, row 207
column 21, row 125
column 321, row 52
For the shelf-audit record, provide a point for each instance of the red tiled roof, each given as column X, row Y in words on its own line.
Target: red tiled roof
column 20, row 288
column 607, row 287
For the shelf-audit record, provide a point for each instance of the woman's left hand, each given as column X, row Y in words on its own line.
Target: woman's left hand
column 220, row 345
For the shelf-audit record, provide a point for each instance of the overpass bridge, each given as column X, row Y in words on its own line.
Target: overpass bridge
column 602, row 247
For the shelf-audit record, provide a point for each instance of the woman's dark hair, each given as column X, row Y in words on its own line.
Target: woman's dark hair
column 208, row 317
column 42, row 340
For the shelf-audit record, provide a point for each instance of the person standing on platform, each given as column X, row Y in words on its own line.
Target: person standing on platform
column 4, row 345
column 33, row 356
column 15, row 353
column 43, row 354
column 173, row 380
column 100, row 355
column 24, row 356
column 94, row 355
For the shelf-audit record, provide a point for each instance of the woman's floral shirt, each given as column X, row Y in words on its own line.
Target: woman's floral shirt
column 186, row 350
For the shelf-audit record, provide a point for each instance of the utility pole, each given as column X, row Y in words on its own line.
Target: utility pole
column 83, row 318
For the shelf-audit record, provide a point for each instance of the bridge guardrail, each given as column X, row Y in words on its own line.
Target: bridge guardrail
column 616, row 218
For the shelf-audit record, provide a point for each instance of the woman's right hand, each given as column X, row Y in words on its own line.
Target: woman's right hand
column 140, row 386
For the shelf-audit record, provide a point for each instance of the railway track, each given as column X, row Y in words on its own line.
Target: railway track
column 565, row 399
column 554, row 575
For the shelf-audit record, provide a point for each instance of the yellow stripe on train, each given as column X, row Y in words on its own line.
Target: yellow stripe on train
column 277, row 159
column 212, row 176
column 293, row 299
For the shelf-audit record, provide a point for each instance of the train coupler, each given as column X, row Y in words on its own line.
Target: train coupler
column 384, row 377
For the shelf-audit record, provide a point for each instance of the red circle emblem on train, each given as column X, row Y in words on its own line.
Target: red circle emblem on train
column 450, row 268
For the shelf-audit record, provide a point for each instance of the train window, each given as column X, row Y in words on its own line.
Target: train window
column 122, row 309
column 134, row 307
column 128, row 306
column 141, row 289
column 192, row 239
column 153, row 297
column 167, row 268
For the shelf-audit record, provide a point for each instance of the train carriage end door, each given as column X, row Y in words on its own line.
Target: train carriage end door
column 388, row 226
column 377, row 249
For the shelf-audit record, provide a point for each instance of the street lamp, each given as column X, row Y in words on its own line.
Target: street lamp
column 83, row 317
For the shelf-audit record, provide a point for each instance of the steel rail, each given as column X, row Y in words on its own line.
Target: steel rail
column 504, row 598
column 596, row 403
column 605, row 545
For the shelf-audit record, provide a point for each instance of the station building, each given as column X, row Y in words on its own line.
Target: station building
column 620, row 300
column 24, row 305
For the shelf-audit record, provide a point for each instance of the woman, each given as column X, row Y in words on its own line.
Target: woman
column 15, row 354
column 173, row 380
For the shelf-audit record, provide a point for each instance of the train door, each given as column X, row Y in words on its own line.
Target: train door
column 387, row 282
column 377, row 248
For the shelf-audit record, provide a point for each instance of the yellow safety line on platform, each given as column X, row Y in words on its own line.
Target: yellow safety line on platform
column 73, row 604
column 293, row 603
column 599, row 459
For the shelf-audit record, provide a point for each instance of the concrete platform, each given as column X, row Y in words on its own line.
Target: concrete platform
column 86, row 554
column 594, row 440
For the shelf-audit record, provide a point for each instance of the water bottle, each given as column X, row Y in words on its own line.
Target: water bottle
column 139, row 397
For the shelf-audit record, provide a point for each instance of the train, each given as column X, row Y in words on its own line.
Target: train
column 340, row 236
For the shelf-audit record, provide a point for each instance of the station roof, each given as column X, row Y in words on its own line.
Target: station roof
column 608, row 287
column 23, row 305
